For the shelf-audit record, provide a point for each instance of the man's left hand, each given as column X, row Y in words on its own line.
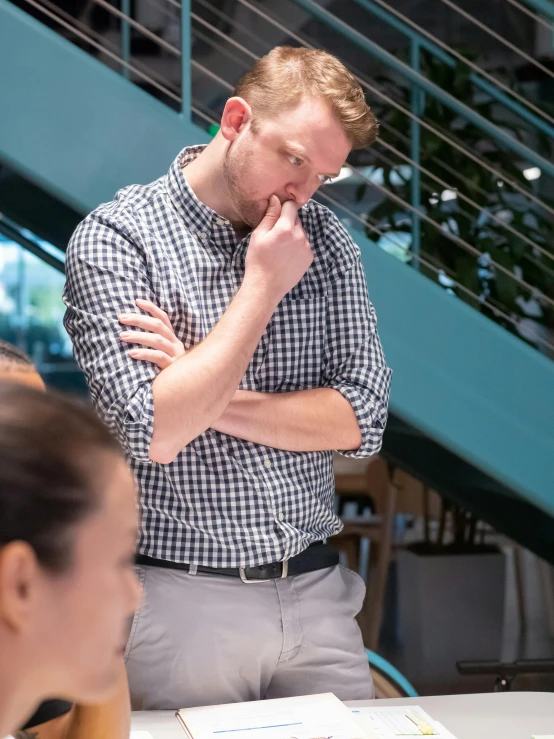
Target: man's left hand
column 161, row 346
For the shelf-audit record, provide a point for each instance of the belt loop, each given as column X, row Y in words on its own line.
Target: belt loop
column 193, row 569
column 285, row 569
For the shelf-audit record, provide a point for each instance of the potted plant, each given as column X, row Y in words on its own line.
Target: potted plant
column 451, row 588
column 495, row 203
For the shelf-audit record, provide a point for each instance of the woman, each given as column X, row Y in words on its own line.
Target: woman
column 67, row 543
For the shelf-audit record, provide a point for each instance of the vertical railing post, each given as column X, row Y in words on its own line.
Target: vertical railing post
column 415, row 131
column 186, row 98
column 125, row 38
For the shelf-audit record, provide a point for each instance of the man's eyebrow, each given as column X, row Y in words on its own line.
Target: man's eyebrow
column 298, row 150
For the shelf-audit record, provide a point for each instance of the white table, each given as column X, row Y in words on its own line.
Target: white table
column 480, row 716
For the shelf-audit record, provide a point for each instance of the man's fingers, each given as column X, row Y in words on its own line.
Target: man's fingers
column 154, row 341
column 289, row 214
column 148, row 323
column 150, row 355
column 154, row 311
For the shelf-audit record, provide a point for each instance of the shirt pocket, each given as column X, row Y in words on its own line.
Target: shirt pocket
column 295, row 345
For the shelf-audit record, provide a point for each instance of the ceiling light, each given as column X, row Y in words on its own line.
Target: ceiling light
column 344, row 173
column 533, row 173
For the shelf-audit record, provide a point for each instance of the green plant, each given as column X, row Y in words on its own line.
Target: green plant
column 497, row 202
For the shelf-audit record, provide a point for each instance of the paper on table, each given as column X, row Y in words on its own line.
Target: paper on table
column 400, row 721
column 310, row 717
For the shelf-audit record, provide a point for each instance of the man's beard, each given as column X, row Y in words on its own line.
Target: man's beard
column 235, row 172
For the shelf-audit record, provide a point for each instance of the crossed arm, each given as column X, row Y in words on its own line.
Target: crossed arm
column 295, row 421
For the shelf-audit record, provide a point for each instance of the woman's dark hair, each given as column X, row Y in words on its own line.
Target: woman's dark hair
column 13, row 355
column 49, row 478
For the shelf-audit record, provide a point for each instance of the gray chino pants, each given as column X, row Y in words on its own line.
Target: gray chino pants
column 204, row 639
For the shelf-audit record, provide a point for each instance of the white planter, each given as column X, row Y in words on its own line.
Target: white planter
column 451, row 607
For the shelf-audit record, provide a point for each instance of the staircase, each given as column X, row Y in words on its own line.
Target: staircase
column 473, row 390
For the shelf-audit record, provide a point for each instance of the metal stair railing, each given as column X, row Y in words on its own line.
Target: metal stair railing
column 194, row 26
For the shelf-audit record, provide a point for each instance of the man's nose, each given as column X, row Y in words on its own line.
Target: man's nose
column 300, row 192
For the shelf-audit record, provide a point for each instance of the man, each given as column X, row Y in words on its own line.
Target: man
column 58, row 719
column 259, row 314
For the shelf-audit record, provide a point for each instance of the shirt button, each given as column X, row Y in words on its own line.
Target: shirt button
column 220, row 221
column 203, row 235
column 280, row 516
column 267, row 463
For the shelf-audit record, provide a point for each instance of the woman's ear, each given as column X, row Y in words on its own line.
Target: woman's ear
column 18, row 580
column 236, row 115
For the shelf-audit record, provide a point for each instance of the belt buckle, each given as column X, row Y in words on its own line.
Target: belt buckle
column 253, row 581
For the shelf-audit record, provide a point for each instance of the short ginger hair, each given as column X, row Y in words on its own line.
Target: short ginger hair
column 281, row 78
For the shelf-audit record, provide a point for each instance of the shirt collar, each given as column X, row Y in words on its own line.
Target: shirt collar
column 194, row 211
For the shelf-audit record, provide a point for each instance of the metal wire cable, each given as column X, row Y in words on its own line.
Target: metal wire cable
column 106, row 44
column 387, row 192
column 212, row 75
column 310, row 43
column 465, row 198
column 437, row 270
column 452, row 237
column 103, row 49
column 492, row 216
column 236, row 44
column 498, row 37
column 534, row 16
column 219, row 47
column 239, row 26
column 139, row 27
column 377, row 91
column 521, row 98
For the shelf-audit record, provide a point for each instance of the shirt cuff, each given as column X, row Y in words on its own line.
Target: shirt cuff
column 371, row 429
column 138, row 425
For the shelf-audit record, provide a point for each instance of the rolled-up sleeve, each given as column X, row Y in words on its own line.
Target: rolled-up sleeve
column 105, row 274
column 354, row 360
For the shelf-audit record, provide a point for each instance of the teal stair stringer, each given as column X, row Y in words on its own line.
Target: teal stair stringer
column 81, row 131
column 464, row 381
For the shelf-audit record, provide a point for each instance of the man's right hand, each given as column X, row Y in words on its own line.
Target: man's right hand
column 279, row 253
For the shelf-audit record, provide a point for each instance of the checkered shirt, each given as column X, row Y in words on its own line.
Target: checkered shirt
column 223, row 502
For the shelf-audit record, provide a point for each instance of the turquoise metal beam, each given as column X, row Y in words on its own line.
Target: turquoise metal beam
column 458, row 377
column 97, row 132
column 546, row 7
column 10, row 232
column 527, row 154
column 479, row 82
column 125, row 38
column 186, row 52
column 415, row 143
column 462, row 379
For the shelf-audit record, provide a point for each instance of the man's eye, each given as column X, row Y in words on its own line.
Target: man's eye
column 294, row 160
column 325, row 179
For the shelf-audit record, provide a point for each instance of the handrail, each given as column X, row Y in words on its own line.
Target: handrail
column 426, row 40
column 546, row 7
column 429, row 87
column 483, row 26
column 534, row 16
column 420, row 85
column 422, row 122
column 10, row 231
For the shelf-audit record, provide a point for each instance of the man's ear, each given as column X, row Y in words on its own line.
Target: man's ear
column 19, row 572
column 236, row 115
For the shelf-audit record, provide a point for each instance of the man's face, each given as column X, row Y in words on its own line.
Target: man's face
column 290, row 156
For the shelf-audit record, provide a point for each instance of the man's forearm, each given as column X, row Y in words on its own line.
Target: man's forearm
column 304, row 421
column 194, row 391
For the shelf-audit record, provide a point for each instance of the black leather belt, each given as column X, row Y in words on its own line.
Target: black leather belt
column 316, row 557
